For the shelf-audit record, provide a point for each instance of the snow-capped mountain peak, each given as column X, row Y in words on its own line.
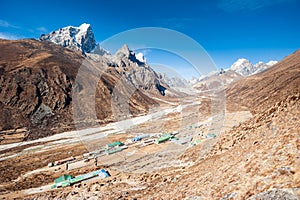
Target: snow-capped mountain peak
column 241, row 61
column 245, row 68
column 78, row 38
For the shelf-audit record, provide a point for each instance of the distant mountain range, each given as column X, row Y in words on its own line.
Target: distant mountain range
column 238, row 70
column 82, row 38
column 245, row 68
column 125, row 61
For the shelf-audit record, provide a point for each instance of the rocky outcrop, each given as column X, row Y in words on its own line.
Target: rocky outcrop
column 139, row 73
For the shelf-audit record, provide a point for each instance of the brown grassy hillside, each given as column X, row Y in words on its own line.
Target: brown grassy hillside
column 261, row 91
column 36, row 89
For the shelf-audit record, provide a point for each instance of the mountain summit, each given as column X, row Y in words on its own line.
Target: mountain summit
column 245, row 68
column 78, row 38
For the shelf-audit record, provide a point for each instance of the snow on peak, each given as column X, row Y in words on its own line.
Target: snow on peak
column 246, row 68
column 272, row 62
column 79, row 38
column 83, row 29
column 240, row 62
column 84, row 26
column 243, row 67
column 140, row 56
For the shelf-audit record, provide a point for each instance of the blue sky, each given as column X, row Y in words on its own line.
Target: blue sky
column 227, row 29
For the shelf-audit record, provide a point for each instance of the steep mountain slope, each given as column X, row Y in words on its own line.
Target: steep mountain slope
column 36, row 84
column 36, row 88
column 261, row 91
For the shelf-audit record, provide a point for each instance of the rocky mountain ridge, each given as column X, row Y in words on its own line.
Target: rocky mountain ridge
column 238, row 70
column 125, row 61
column 78, row 38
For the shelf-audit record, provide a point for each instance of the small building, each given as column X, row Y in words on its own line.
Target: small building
column 116, row 149
column 86, row 155
column 67, row 180
column 211, row 135
column 62, row 181
column 112, row 151
column 114, row 144
column 139, row 137
column 102, row 173
column 60, row 162
column 164, row 137
column 183, row 140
